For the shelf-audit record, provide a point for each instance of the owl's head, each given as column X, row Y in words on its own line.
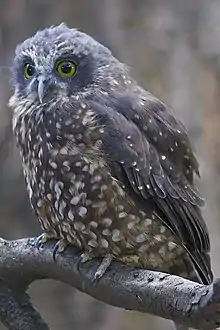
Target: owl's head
column 58, row 61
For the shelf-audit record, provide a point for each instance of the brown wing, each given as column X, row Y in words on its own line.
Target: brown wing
column 150, row 153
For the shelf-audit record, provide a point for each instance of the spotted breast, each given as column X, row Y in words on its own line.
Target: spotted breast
column 75, row 195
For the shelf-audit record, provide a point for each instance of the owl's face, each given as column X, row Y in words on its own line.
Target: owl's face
column 58, row 62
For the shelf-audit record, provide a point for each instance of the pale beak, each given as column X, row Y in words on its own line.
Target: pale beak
column 41, row 88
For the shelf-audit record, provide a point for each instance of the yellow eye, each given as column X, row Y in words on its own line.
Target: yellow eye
column 29, row 70
column 66, row 69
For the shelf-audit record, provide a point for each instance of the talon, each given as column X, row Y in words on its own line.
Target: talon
column 42, row 239
column 82, row 259
column 96, row 278
column 106, row 262
column 59, row 247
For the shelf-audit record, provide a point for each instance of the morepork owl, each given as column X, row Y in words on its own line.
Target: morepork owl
column 107, row 166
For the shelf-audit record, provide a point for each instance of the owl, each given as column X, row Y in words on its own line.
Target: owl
column 108, row 167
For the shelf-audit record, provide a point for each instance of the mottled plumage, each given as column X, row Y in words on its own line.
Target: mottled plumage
column 107, row 166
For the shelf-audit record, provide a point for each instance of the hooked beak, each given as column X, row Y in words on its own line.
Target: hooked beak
column 41, row 88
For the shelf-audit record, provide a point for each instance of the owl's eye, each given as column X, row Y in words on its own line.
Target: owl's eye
column 66, row 69
column 29, row 70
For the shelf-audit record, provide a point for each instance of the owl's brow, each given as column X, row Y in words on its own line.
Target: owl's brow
column 67, row 56
column 63, row 46
column 28, row 54
column 26, row 59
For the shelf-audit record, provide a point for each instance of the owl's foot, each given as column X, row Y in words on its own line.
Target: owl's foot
column 59, row 247
column 82, row 259
column 43, row 238
column 105, row 263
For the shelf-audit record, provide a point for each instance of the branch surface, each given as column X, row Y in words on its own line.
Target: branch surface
column 167, row 296
column 16, row 311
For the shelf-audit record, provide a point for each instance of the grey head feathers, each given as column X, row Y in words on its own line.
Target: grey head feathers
column 56, row 40
column 93, row 63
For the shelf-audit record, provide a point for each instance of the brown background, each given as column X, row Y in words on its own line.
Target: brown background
column 173, row 47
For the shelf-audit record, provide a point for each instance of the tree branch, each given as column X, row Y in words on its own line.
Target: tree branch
column 164, row 295
column 16, row 311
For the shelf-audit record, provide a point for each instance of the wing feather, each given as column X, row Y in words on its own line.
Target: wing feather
column 154, row 152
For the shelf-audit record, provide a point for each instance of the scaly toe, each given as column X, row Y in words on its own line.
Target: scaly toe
column 106, row 262
column 59, row 247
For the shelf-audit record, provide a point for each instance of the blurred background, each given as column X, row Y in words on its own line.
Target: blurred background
column 173, row 48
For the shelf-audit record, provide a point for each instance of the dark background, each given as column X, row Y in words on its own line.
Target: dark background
column 173, row 47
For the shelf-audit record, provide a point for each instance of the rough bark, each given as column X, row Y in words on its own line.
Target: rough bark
column 164, row 295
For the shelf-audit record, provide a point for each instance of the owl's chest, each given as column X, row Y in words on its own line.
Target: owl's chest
column 52, row 175
column 71, row 185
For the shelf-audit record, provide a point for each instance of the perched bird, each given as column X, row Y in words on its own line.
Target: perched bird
column 108, row 168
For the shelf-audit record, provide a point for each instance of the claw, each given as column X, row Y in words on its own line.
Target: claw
column 59, row 247
column 82, row 259
column 42, row 239
column 106, row 262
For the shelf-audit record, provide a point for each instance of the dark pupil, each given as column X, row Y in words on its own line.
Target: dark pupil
column 66, row 68
column 30, row 69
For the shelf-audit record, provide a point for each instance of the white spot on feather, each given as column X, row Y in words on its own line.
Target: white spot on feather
column 104, row 243
column 82, row 211
column 75, row 200
column 70, row 215
column 116, row 235
column 92, row 243
column 140, row 238
column 106, row 232
column 106, row 222
column 58, row 188
column 122, row 215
